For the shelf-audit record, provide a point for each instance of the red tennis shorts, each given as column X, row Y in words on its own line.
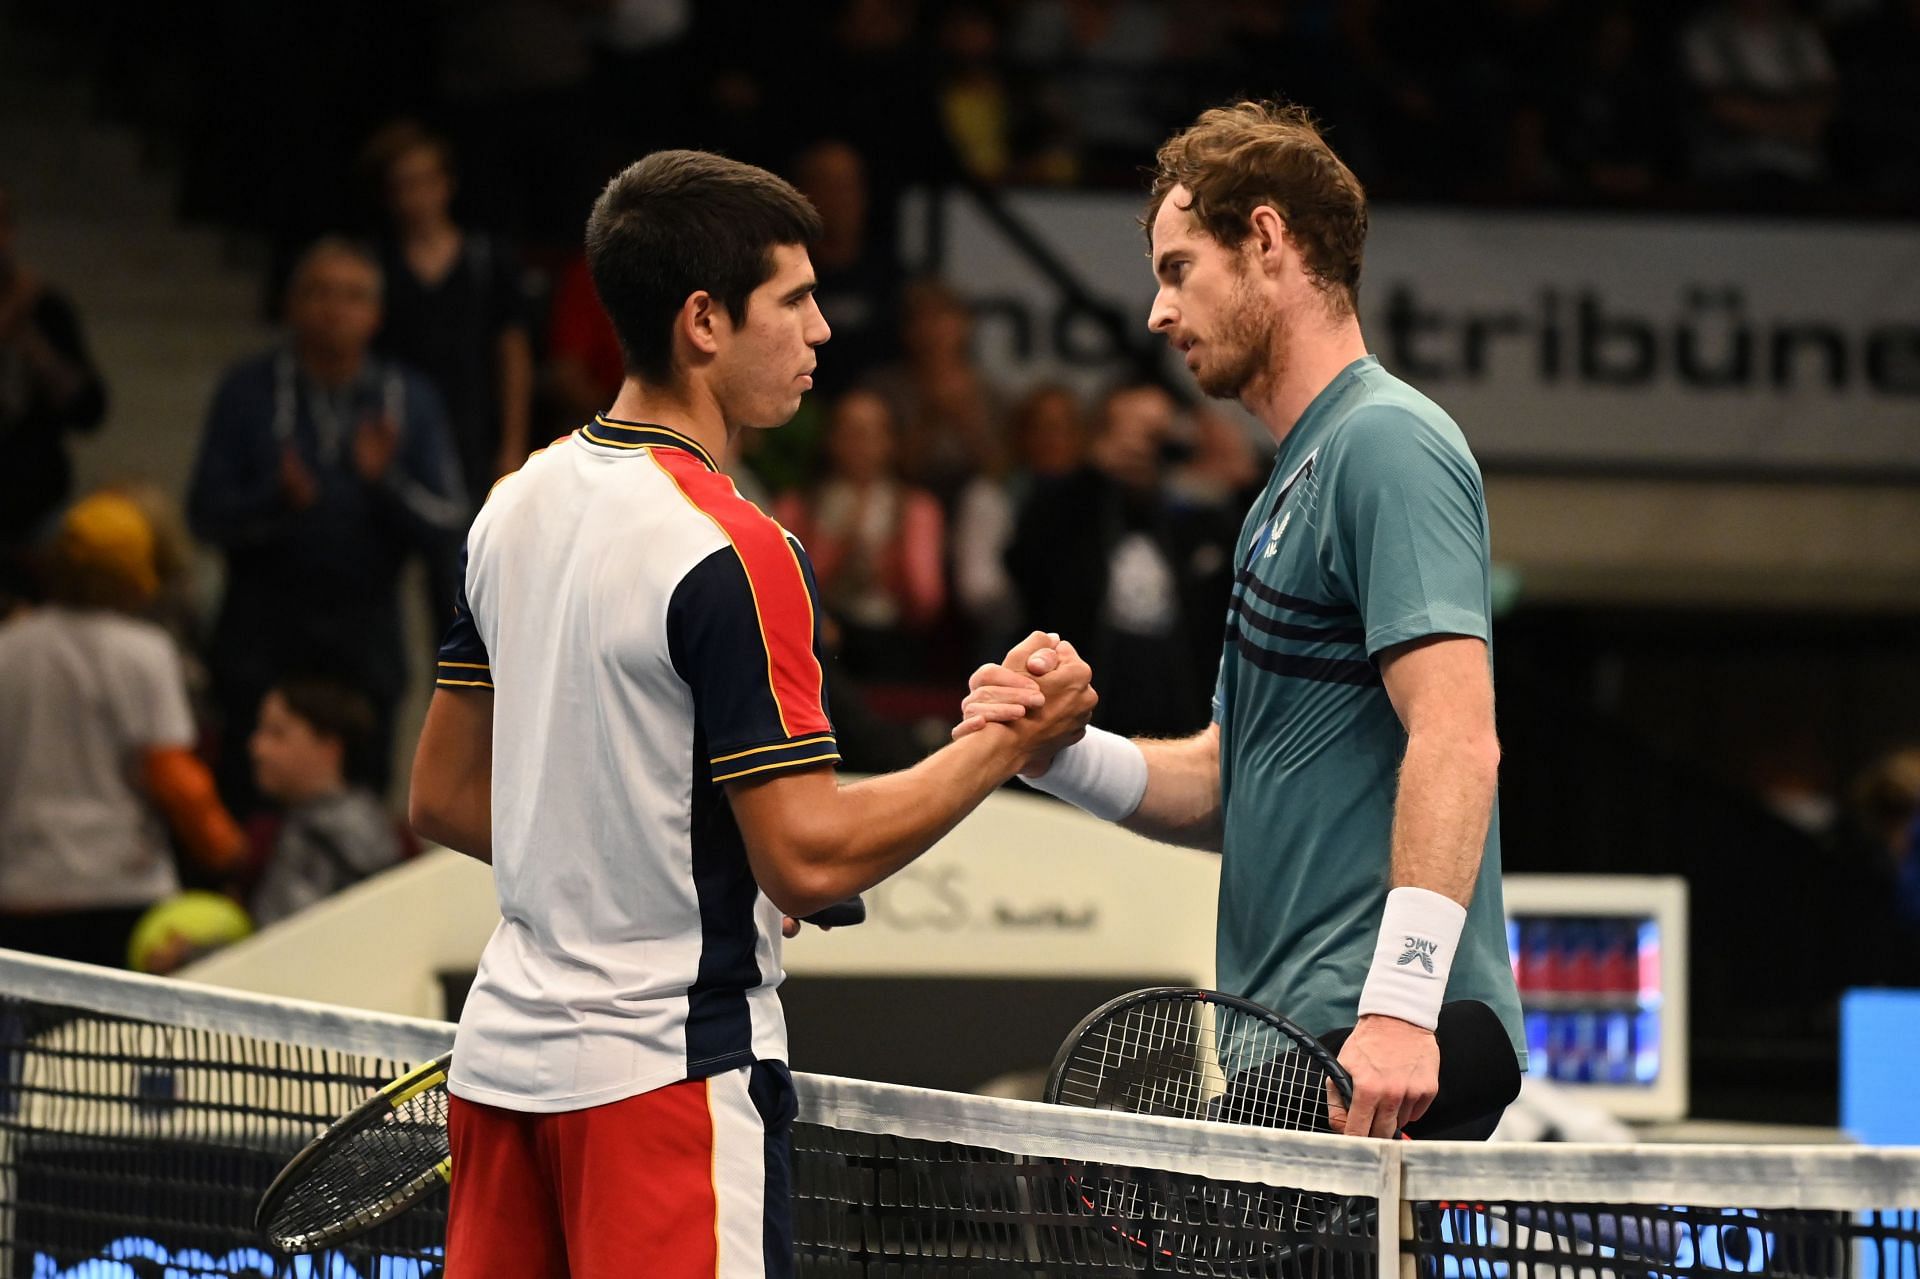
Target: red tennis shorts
column 693, row 1179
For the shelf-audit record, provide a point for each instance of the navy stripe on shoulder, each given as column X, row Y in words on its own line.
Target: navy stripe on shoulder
column 1295, row 603
column 1319, row 670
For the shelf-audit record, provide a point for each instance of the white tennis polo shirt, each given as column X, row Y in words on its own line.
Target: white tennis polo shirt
column 648, row 634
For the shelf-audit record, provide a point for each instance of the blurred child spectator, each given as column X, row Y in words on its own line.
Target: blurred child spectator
column 454, row 309
column 1765, row 88
column 950, row 415
column 322, row 470
column 308, row 746
column 1049, row 441
column 49, row 389
column 877, row 543
column 1105, row 557
column 96, row 749
column 584, row 368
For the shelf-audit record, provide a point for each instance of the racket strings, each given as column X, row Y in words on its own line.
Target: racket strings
column 366, row 1173
column 1194, row 1059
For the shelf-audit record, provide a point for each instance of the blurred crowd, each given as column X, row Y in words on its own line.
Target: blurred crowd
column 1662, row 103
column 425, row 168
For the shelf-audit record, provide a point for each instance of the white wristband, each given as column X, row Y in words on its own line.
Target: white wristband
column 1419, row 933
column 1104, row 773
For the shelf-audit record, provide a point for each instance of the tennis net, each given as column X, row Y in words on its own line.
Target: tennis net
column 140, row 1120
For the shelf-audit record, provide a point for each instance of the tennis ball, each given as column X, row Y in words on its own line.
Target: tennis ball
column 184, row 927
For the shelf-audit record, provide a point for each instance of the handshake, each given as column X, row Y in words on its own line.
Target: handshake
column 1042, row 692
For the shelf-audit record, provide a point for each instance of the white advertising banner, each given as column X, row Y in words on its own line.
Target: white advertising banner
column 1556, row 341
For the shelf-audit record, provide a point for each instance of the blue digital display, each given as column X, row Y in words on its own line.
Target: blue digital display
column 136, row 1258
column 1879, row 1043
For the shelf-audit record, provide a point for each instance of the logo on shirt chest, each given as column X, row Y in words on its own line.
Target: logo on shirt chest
column 1273, row 538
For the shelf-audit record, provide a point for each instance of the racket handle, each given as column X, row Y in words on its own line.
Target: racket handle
column 840, row 915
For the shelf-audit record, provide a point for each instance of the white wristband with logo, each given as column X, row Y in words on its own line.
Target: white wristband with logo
column 1103, row 773
column 1419, row 933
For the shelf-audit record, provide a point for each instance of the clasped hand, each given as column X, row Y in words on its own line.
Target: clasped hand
column 1036, row 671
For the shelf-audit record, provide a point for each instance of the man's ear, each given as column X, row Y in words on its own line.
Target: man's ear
column 1268, row 238
column 700, row 320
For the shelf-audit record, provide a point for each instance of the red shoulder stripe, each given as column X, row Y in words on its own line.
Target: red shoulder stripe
column 780, row 595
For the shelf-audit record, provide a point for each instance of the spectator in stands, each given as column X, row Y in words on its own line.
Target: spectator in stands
column 1049, row 441
column 1881, row 111
column 1104, row 553
column 1100, row 65
column 1765, row 88
column 859, row 275
column 97, row 758
column 976, row 107
column 584, row 368
column 309, row 753
column 1614, row 129
column 950, row 416
column 322, row 470
column 878, row 544
column 454, row 309
column 49, row 390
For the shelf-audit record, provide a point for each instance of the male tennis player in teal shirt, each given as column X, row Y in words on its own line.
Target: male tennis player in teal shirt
column 1348, row 777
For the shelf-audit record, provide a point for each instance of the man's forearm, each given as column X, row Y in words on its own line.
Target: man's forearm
column 1182, row 803
column 1445, row 801
column 814, row 842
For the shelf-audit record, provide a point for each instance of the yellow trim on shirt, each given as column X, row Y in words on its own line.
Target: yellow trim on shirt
column 468, row 666
column 791, row 763
column 781, row 746
column 462, row 683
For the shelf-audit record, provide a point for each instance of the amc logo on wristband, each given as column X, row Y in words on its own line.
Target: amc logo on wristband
column 1418, row 949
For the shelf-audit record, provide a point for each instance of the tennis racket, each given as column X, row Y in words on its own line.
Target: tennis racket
column 369, row 1166
column 1200, row 1054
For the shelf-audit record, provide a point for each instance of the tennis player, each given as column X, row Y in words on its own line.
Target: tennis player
column 1348, row 775
column 630, row 725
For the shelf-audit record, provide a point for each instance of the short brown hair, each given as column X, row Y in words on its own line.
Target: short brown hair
column 679, row 222
column 1234, row 159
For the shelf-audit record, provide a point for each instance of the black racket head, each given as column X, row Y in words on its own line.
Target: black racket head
column 369, row 1166
column 1189, row 1053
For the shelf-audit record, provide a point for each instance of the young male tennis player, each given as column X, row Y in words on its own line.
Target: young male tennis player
column 630, row 725
column 1348, row 776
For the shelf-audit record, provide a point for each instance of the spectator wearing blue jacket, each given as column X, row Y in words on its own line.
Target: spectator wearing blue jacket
column 322, row 470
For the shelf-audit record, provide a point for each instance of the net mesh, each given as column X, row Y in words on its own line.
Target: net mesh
column 140, row 1122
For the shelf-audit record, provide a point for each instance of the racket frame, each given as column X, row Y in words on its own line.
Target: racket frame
column 375, row 1110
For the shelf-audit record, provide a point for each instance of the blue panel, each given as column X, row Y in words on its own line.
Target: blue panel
column 1879, row 1044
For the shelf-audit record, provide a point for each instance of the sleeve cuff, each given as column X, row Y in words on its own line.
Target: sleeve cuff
column 1435, row 621
column 795, row 752
column 463, row 675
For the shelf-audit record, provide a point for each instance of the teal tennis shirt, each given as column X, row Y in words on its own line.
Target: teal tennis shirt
column 1371, row 532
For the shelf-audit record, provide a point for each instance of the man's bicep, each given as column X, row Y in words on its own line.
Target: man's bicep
column 1440, row 682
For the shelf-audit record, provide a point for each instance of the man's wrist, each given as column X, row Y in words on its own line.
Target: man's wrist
column 1413, row 957
column 1103, row 773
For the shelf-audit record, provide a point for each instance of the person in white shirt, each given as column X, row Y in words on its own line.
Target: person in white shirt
column 630, row 724
column 97, row 759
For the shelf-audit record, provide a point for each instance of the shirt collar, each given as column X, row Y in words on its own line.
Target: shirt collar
column 614, row 433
